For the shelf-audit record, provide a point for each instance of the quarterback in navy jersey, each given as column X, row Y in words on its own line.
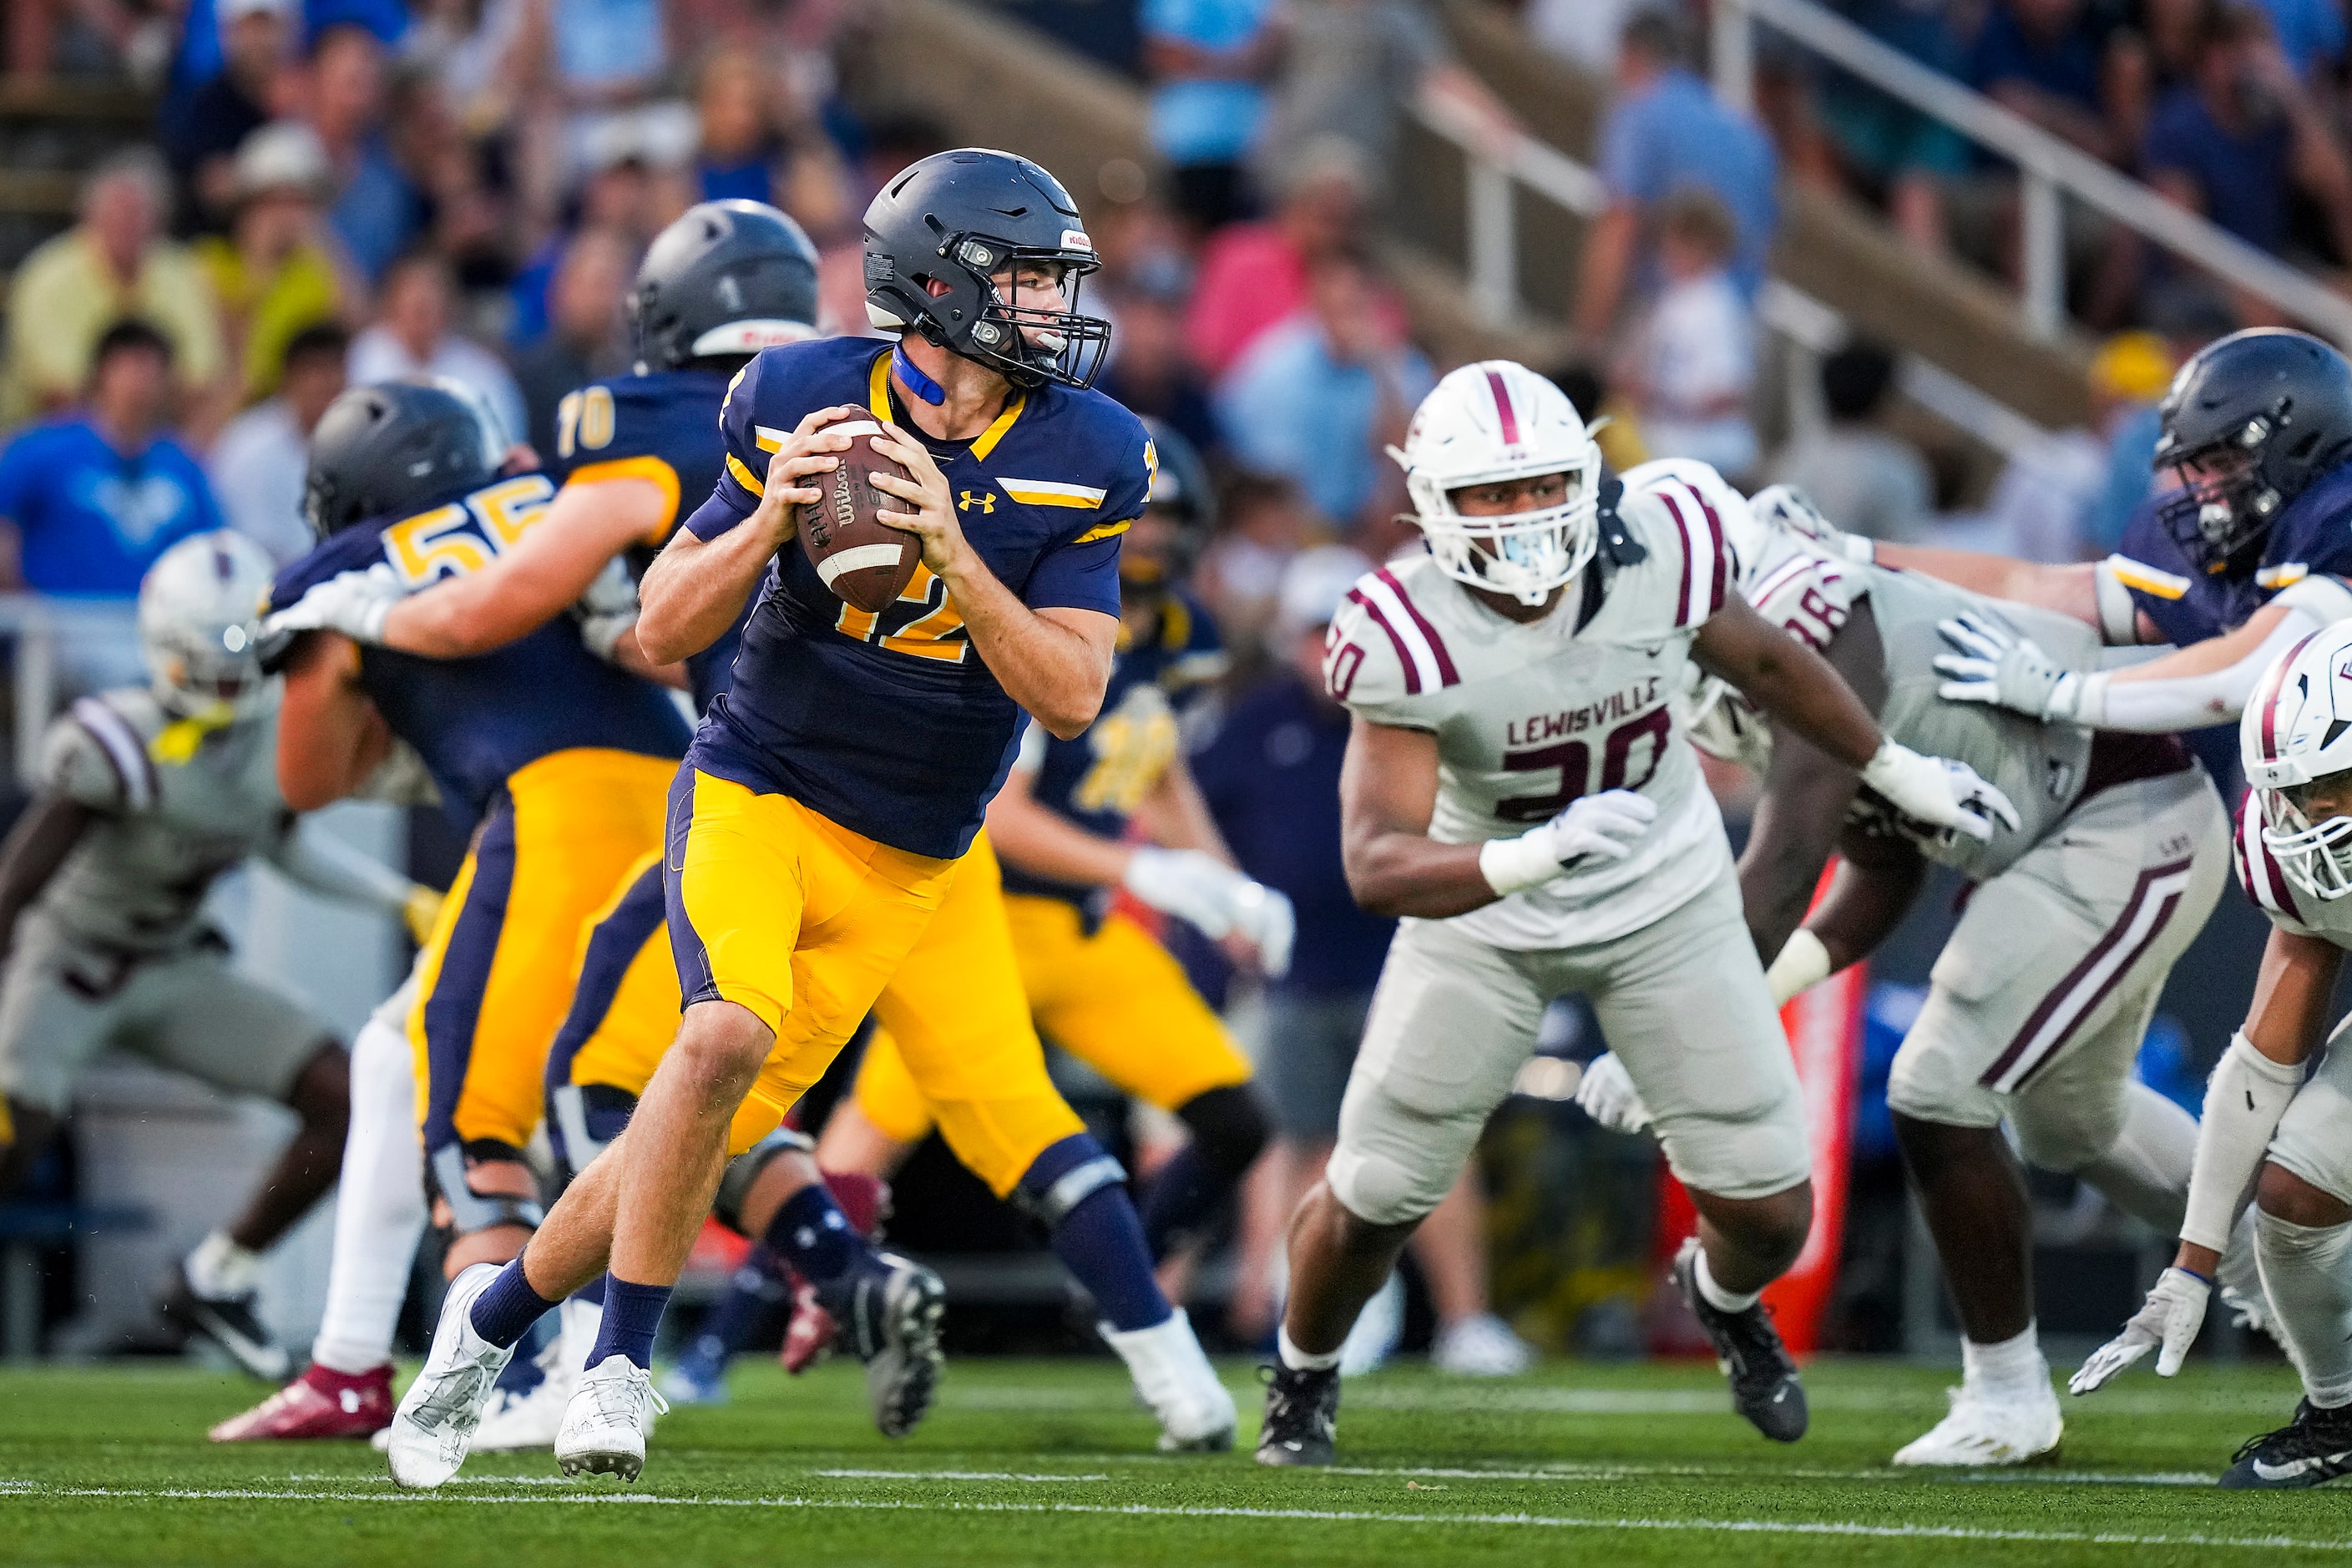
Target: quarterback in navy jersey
column 2239, row 555
column 832, row 797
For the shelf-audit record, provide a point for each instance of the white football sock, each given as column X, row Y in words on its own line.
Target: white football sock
column 1721, row 1300
column 2012, row 1368
column 2304, row 1273
column 2145, row 1172
column 1297, row 1360
column 380, row 1204
column 219, row 1267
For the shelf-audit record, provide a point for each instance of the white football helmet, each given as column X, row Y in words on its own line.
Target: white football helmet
column 2296, row 731
column 200, row 622
column 1497, row 421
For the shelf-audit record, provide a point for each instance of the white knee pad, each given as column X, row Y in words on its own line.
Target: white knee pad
column 2305, row 1276
column 2062, row 1132
column 1392, row 1166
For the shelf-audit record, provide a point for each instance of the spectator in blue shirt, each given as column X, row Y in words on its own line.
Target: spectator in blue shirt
column 2048, row 60
column 1320, row 397
column 2232, row 140
column 1270, row 775
column 1209, row 61
column 1666, row 130
column 376, row 210
column 89, row 499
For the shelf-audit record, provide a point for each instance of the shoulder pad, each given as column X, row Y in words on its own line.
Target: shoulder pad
column 1687, row 571
column 1381, row 656
column 96, row 753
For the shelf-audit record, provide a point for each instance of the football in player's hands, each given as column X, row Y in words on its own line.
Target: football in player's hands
column 864, row 560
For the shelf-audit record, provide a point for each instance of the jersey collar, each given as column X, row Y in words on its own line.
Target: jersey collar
column 877, row 398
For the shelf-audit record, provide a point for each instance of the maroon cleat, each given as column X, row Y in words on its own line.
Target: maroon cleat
column 321, row 1403
column 808, row 1338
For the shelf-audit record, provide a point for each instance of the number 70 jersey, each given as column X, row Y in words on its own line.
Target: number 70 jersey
column 1529, row 718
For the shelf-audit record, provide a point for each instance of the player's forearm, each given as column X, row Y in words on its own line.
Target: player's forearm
column 1032, row 837
column 1797, row 823
column 1401, row 874
column 2068, row 591
column 1867, row 899
column 1175, row 817
column 1789, row 681
column 693, row 591
column 44, row 836
column 2205, row 683
column 329, row 866
column 1057, row 675
column 331, row 739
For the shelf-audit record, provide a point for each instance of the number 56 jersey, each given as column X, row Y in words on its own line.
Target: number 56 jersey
column 1529, row 717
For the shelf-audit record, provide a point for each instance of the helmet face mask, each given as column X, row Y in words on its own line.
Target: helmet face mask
column 2315, row 853
column 200, row 624
column 2222, row 503
column 2249, row 424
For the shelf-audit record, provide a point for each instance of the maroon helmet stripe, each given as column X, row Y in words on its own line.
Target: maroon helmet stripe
column 2275, row 687
column 1503, row 408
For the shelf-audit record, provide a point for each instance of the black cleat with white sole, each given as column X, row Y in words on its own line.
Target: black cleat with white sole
column 2311, row 1450
column 1302, row 1417
column 229, row 1322
column 1764, row 1386
column 888, row 1312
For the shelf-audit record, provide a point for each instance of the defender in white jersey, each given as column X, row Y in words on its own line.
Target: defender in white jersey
column 146, row 796
column 1516, row 787
column 2037, row 1006
column 2273, row 1131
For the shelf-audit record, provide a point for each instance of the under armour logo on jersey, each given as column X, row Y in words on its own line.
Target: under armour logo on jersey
column 985, row 501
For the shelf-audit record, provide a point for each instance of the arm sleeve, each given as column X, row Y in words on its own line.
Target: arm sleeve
column 2245, row 1100
column 741, row 477
column 326, row 865
column 2169, row 704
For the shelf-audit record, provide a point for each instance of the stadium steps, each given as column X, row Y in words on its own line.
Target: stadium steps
column 50, row 133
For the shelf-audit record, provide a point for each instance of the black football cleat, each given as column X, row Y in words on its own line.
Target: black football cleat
column 1302, row 1416
column 888, row 1311
column 2311, row 1450
column 229, row 1322
column 1764, row 1386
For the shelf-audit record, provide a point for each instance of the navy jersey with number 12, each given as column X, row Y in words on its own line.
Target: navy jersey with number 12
column 891, row 725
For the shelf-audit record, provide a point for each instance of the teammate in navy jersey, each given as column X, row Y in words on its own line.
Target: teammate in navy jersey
column 562, row 757
column 2244, row 553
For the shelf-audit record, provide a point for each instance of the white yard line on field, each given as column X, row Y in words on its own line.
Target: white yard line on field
column 954, row 1475
column 1845, row 1528
column 1374, row 1394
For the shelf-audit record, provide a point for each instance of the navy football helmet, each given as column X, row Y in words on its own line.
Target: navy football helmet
column 724, row 281
column 2249, row 423
column 961, row 220
column 394, row 447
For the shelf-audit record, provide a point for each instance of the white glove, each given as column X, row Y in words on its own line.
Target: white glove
column 1938, row 791
column 607, row 609
column 353, row 603
column 1608, row 1096
column 1996, row 665
column 1603, row 825
column 1199, row 888
column 1788, row 506
column 2174, row 1311
column 1262, row 918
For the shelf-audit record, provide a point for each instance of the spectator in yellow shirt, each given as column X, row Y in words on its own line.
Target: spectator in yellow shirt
column 275, row 272
column 114, row 264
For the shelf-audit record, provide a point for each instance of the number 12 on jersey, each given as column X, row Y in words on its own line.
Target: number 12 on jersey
column 923, row 622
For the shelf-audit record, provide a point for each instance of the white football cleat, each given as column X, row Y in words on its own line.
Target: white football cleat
column 1481, row 1345
column 610, row 1417
column 1983, row 1432
column 435, row 1424
column 530, row 1419
column 1175, row 1379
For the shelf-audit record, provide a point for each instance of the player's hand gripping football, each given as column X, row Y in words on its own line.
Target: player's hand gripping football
column 931, row 515
column 809, row 451
column 1996, row 665
column 1939, row 791
column 2167, row 1323
column 1606, row 1092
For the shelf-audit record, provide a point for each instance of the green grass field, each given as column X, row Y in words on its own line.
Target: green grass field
column 1050, row 1462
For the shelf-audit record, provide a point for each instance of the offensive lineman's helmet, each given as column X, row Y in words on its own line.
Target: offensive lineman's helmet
column 200, row 622
column 1180, row 498
column 959, row 218
column 2250, row 422
column 724, row 281
column 1487, row 423
column 396, row 446
column 2296, row 731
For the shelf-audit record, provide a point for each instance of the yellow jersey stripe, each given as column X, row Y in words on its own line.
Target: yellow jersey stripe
column 647, row 468
column 768, row 437
column 2147, row 579
column 996, row 430
column 745, row 476
column 2281, row 575
column 1045, row 492
column 877, row 385
column 1100, row 530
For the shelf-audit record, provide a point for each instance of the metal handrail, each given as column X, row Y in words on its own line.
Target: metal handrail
column 2050, row 168
column 1500, row 158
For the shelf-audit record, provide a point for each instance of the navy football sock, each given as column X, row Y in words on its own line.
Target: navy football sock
column 522, row 1372
column 592, row 1292
column 1097, row 1236
column 812, row 1234
column 737, row 1311
column 1181, row 1197
column 632, row 1316
column 502, row 1313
